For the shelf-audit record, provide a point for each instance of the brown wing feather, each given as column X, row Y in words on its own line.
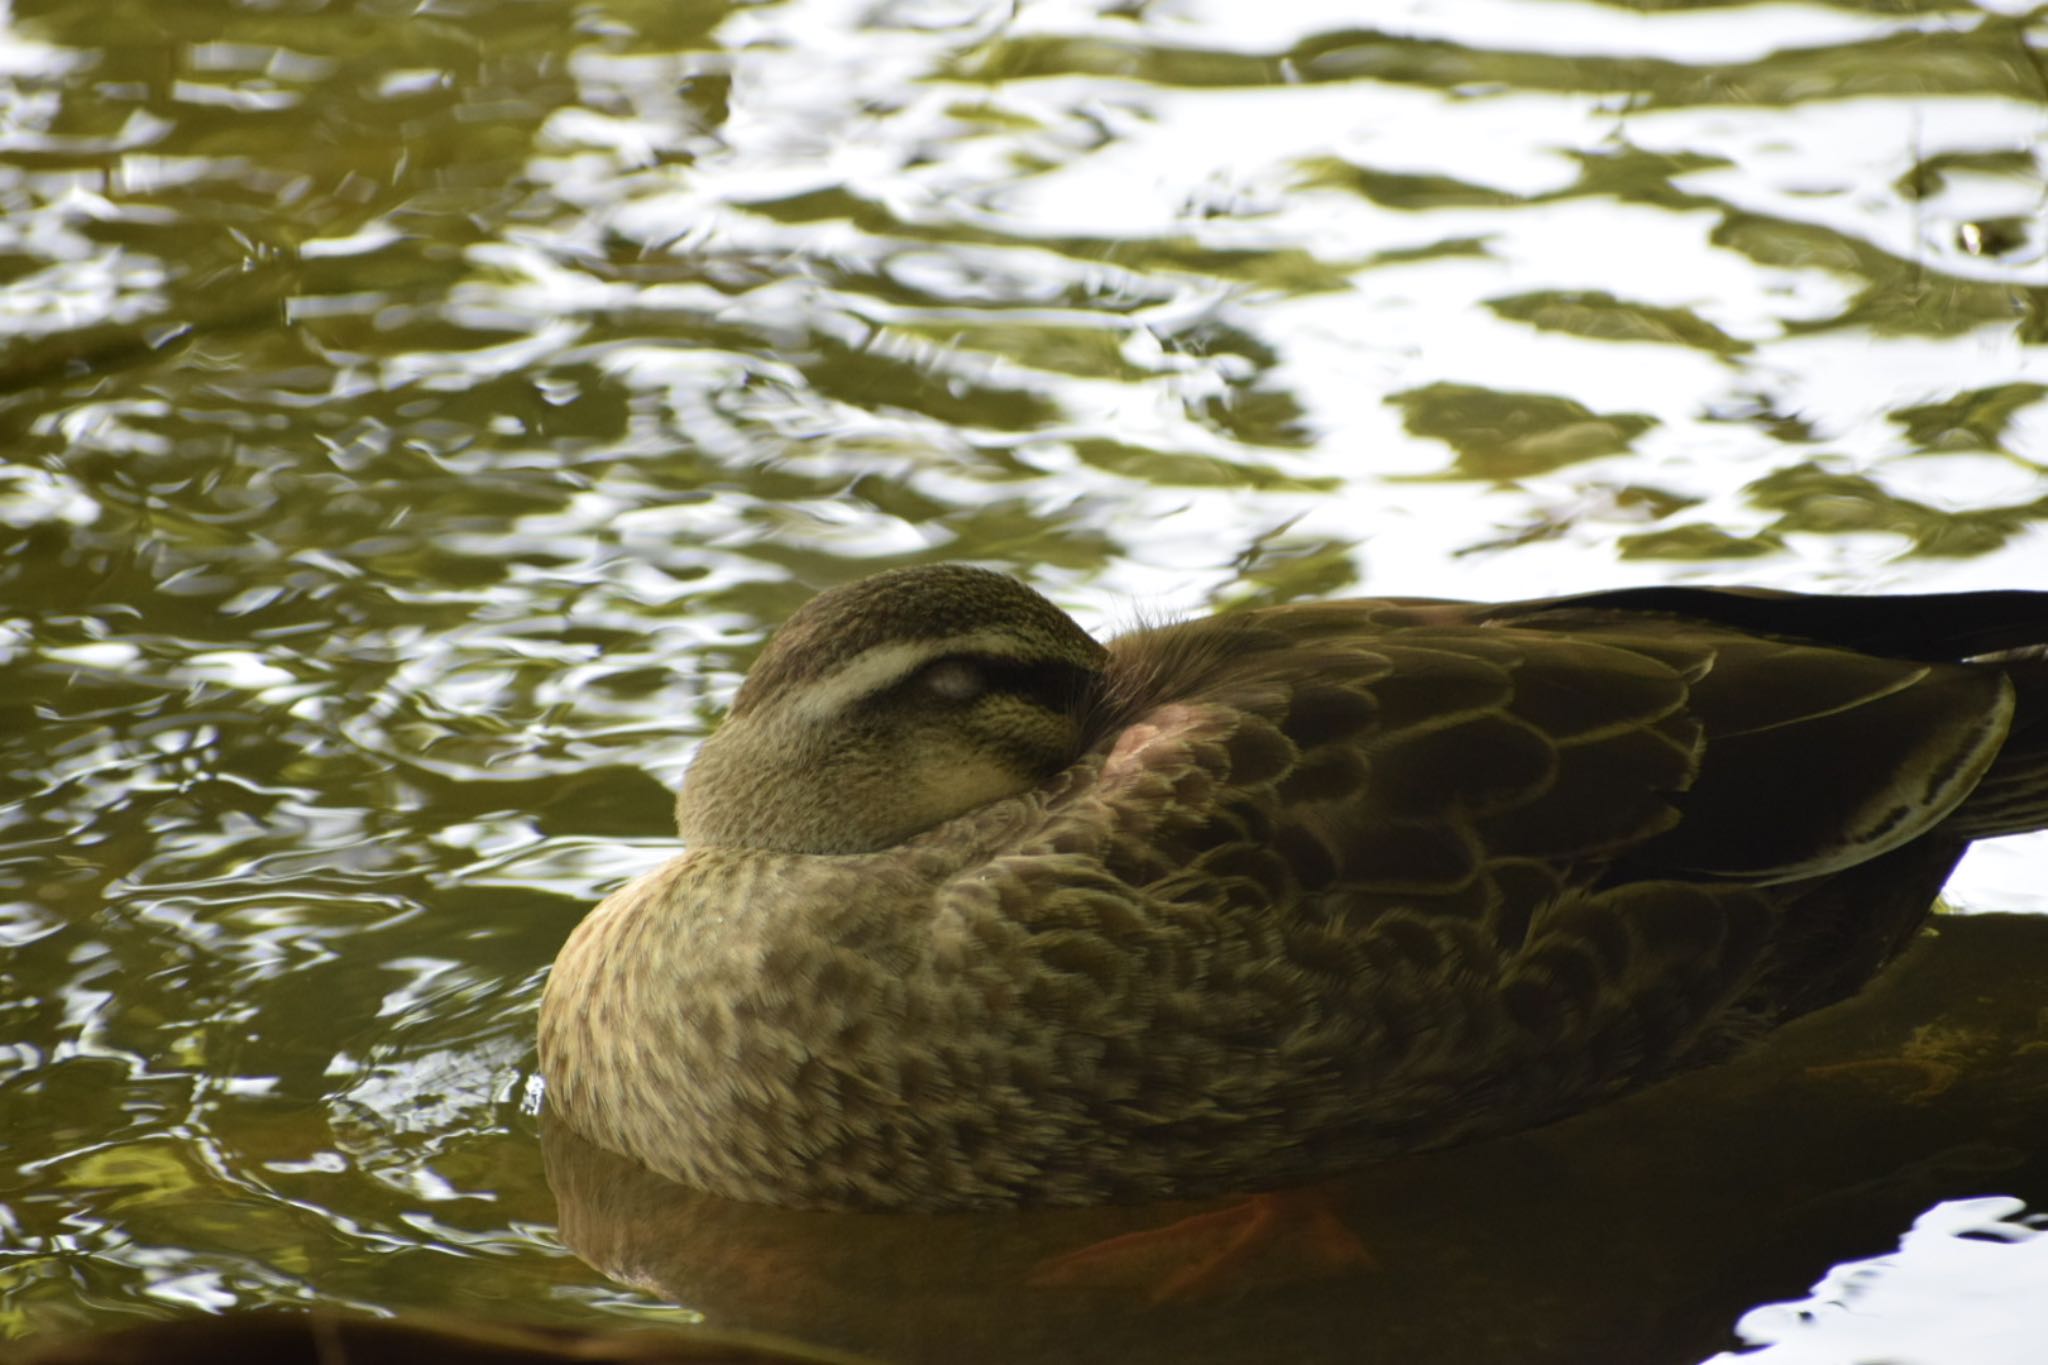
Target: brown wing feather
column 1420, row 741
column 1473, row 842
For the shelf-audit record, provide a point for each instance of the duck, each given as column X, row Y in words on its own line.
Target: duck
column 975, row 911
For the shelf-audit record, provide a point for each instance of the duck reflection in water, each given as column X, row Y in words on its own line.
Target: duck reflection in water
column 978, row 912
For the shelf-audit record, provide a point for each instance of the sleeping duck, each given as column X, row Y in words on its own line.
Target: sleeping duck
column 979, row 912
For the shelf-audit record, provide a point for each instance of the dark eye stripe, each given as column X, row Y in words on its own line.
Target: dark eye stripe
column 1055, row 686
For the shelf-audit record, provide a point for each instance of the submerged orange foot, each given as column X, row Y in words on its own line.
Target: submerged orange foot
column 1288, row 1235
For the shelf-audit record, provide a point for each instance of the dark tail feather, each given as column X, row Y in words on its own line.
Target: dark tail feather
column 1929, row 626
column 2013, row 797
column 2005, row 630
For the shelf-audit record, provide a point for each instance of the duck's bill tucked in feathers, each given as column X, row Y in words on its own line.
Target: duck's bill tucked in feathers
column 978, row 911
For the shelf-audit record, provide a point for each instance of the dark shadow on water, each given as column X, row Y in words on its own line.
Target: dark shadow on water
column 1637, row 1234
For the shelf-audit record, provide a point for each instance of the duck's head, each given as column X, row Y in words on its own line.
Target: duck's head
column 887, row 706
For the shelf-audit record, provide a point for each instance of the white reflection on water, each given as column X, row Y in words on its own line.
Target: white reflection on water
column 1838, row 164
column 1702, row 38
column 36, row 497
column 1964, row 1288
column 100, row 285
column 1132, row 158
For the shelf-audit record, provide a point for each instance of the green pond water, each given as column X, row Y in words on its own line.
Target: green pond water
column 415, row 412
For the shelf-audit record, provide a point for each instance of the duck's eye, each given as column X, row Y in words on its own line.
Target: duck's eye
column 953, row 680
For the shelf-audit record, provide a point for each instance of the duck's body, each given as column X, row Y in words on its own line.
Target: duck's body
column 977, row 912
